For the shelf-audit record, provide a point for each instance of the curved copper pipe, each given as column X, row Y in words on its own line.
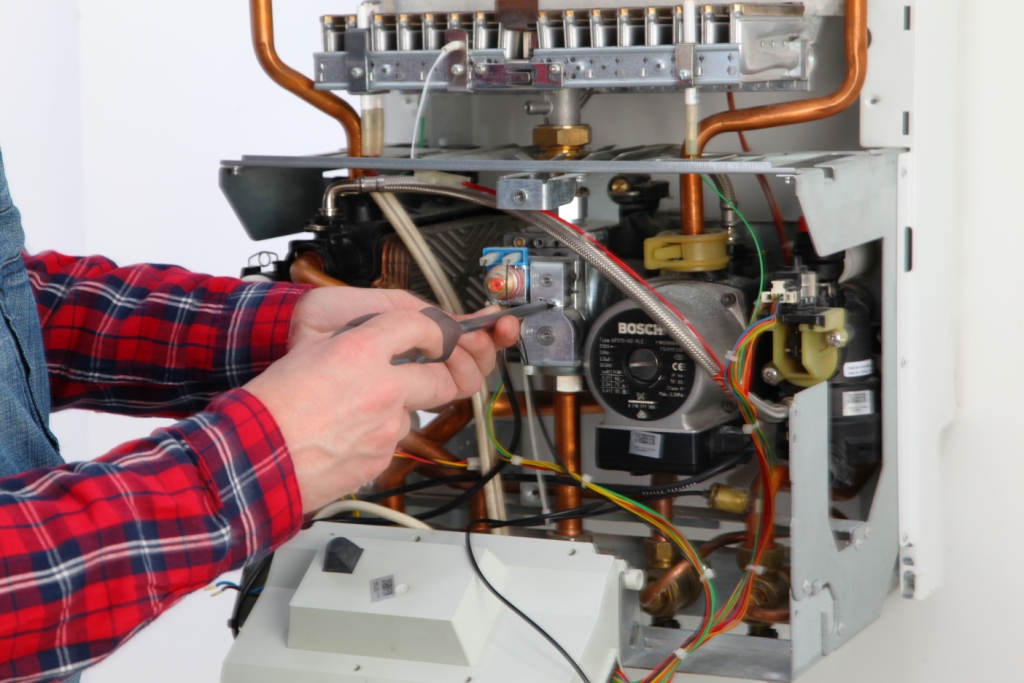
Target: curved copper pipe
column 785, row 113
column 262, row 20
column 771, row 616
column 308, row 269
column 452, row 419
column 651, row 591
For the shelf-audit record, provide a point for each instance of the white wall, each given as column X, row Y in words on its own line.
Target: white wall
column 112, row 124
column 114, row 116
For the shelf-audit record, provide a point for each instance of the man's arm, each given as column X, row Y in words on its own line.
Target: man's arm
column 153, row 340
column 91, row 552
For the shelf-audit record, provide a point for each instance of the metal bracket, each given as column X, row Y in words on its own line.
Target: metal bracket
column 458, row 61
column 531, row 192
column 354, row 61
column 684, row 65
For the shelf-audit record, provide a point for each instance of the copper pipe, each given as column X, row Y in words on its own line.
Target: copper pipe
column 450, row 421
column 262, row 20
column 308, row 269
column 662, row 506
column 394, row 476
column 691, row 204
column 543, row 401
column 651, row 591
column 567, row 442
column 771, row 616
column 417, row 444
column 779, row 475
column 786, row 113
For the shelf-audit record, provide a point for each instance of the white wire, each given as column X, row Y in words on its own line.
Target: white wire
column 395, row 516
column 426, row 90
column 541, row 488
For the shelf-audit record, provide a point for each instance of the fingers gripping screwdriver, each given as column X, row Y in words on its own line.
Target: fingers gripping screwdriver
column 451, row 329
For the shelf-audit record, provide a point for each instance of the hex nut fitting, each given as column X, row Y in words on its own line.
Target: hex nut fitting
column 562, row 136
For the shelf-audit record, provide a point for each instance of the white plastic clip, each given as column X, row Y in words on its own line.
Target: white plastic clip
column 473, row 464
column 730, row 357
column 756, row 568
column 749, row 429
column 516, row 460
column 587, row 479
column 680, row 654
column 708, row 574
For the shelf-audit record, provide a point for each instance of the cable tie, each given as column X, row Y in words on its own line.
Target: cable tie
column 708, row 574
column 587, row 479
column 473, row 464
column 680, row 654
column 756, row 568
column 516, row 460
column 749, row 429
column 730, row 357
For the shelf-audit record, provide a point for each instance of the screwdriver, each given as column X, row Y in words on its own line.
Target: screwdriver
column 453, row 329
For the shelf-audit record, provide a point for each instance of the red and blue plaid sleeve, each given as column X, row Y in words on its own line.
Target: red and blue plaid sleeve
column 150, row 339
column 95, row 550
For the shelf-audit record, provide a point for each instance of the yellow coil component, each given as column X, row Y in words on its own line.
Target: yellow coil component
column 819, row 349
column 687, row 253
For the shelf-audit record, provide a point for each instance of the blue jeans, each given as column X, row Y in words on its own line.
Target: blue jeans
column 25, row 438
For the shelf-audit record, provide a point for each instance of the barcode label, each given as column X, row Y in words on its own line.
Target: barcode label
column 382, row 588
column 857, row 403
column 645, row 444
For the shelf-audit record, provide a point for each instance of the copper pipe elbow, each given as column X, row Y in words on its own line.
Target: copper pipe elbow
column 262, row 20
column 308, row 269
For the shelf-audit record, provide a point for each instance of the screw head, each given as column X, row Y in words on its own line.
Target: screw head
column 771, row 375
column 729, row 405
column 728, row 299
column 458, row 69
column 555, row 69
column 520, row 196
column 834, row 338
column 684, row 74
column 546, row 336
column 546, row 281
column 479, row 69
column 357, row 72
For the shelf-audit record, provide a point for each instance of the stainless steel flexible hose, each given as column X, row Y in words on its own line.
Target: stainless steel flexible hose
column 676, row 328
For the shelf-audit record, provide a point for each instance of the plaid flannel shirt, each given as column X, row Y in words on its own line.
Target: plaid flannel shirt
column 90, row 552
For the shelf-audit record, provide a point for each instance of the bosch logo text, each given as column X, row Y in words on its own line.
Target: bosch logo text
column 648, row 329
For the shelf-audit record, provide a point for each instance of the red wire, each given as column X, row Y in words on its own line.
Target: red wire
column 773, row 206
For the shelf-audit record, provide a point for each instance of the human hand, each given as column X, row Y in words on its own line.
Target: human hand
column 342, row 407
column 325, row 309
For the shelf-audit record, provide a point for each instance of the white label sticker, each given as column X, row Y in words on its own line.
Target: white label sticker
column 857, row 403
column 645, row 444
column 382, row 588
column 860, row 368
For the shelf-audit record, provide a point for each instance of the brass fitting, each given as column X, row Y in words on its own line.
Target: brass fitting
column 771, row 588
column 728, row 499
column 678, row 594
column 562, row 140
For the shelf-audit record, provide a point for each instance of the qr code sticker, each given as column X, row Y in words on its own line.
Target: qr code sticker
column 382, row 588
column 645, row 444
column 857, row 403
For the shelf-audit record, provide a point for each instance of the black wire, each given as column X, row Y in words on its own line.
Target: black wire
column 234, row 623
column 518, row 612
column 419, row 486
column 513, row 401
